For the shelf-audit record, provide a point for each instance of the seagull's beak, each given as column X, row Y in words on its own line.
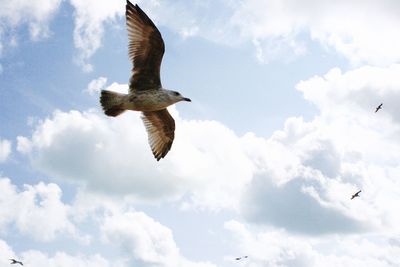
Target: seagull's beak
column 187, row 99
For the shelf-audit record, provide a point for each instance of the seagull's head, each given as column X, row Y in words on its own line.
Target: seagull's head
column 176, row 97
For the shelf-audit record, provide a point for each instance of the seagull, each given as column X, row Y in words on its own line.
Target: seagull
column 378, row 108
column 356, row 194
column 239, row 258
column 146, row 94
column 13, row 261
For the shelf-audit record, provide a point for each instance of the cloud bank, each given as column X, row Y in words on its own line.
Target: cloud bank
column 311, row 168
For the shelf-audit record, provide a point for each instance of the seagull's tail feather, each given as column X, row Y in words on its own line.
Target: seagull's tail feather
column 112, row 103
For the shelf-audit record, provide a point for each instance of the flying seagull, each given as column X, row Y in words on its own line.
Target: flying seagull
column 13, row 261
column 239, row 258
column 356, row 194
column 146, row 94
column 378, row 108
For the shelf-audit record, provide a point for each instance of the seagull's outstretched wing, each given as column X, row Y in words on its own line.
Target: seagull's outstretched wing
column 356, row 194
column 378, row 108
column 146, row 49
column 14, row 261
column 160, row 128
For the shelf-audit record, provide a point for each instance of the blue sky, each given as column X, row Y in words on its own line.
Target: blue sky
column 281, row 131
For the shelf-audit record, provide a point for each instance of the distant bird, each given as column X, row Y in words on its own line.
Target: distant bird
column 378, row 108
column 356, row 194
column 146, row 94
column 239, row 258
column 16, row 262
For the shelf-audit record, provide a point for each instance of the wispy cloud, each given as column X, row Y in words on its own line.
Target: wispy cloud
column 5, row 149
column 90, row 18
column 35, row 14
column 96, row 85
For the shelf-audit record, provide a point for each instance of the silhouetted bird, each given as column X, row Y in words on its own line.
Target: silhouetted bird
column 146, row 94
column 356, row 194
column 16, row 262
column 378, row 108
column 239, row 258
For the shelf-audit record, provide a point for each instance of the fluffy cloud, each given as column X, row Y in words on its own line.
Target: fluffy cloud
column 90, row 17
column 137, row 234
column 5, row 149
column 150, row 243
column 96, row 85
column 293, row 206
column 311, row 168
column 112, row 155
column 5, row 253
column 277, row 248
column 348, row 101
column 34, row 207
column 141, row 239
column 364, row 32
column 361, row 31
column 37, row 258
column 299, row 180
column 298, row 185
column 36, row 14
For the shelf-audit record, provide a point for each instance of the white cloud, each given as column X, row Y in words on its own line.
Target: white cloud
column 348, row 101
column 90, row 17
column 112, row 155
column 5, row 149
column 36, row 14
column 298, row 185
column 137, row 233
column 268, row 247
column 23, row 145
column 119, row 88
column 299, row 180
column 311, row 168
column 5, row 253
column 362, row 31
column 195, row 18
column 33, row 208
column 96, row 85
column 144, row 239
column 36, row 258
column 130, row 236
column 61, row 259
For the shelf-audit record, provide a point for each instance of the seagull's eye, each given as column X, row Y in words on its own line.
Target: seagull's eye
column 176, row 93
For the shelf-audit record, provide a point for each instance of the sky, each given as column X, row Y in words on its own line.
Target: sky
column 281, row 131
